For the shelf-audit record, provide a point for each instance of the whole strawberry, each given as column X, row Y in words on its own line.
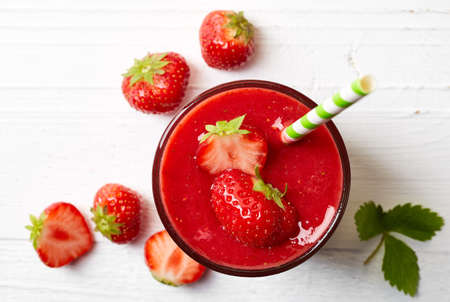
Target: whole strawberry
column 226, row 39
column 252, row 211
column 117, row 211
column 227, row 146
column 156, row 83
column 60, row 234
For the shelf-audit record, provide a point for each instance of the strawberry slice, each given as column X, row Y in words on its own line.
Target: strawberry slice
column 60, row 234
column 226, row 146
column 168, row 263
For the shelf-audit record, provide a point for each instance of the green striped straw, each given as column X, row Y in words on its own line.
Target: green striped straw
column 328, row 109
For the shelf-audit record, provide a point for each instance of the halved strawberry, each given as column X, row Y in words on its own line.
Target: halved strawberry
column 60, row 234
column 226, row 146
column 168, row 263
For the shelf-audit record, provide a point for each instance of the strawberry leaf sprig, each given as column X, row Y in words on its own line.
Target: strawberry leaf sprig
column 400, row 265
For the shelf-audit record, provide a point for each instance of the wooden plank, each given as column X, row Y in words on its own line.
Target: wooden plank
column 118, row 272
column 408, row 100
column 330, row 5
column 98, row 66
column 169, row 18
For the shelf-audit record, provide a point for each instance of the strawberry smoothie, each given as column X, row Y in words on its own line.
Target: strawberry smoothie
column 315, row 169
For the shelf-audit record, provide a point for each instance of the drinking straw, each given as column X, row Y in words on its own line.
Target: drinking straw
column 331, row 107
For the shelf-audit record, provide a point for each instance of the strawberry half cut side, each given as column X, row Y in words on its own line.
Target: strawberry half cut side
column 168, row 263
column 226, row 146
column 60, row 234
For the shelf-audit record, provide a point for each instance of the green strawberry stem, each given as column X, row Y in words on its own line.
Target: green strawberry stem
column 375, row 251
column 104, row 222
column 164, row 281
column 146, row 68
column 268, row 190
column 240, row 25
column 36, row 228
column 223, row 128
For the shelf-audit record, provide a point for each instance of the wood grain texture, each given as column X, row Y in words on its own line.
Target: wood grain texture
column 94, row 279
column 65, row 130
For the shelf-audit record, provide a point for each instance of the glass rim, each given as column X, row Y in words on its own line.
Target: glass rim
column 244, row 272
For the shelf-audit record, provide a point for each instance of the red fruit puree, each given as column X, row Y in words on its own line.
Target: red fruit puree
column 311, row 168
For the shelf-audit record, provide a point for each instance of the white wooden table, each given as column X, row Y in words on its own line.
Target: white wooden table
column 65, row 130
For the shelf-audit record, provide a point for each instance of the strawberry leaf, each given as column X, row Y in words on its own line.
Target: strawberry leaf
column 413, row 221
column 210, row 128
column 223, row 128
column 240, row 25
column 236, row 122
column 146, row 68
column 400, row 265
column 400, row 261
column 369, row 220
column 36, row 228
column 268, row 190
column 105, row 223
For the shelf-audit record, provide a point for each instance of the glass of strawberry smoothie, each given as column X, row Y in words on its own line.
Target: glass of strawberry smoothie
column 316, row 170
